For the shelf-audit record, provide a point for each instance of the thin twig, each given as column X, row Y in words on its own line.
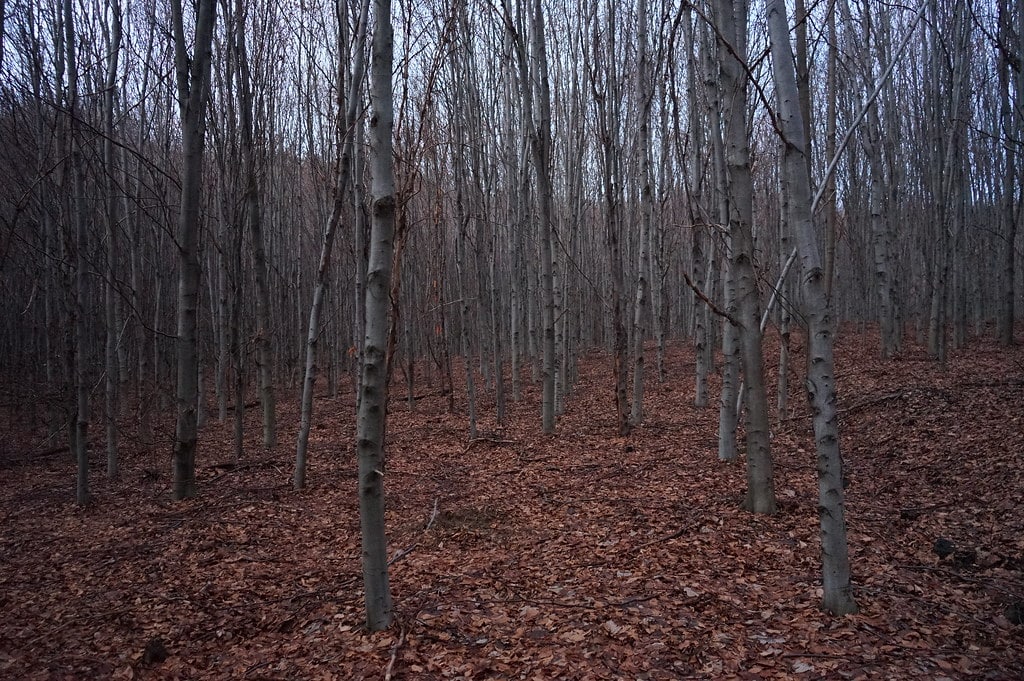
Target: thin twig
column 868, row 402
column 433, row 515
column 678, row 533
column 402, row 553
column 394, row 656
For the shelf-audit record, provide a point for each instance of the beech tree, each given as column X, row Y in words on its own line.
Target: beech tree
column 821, row 390
column 192, row 73
column 732, row 31
column 535, row 92
column 77, row 242
column 349, row 88
column 373, row 395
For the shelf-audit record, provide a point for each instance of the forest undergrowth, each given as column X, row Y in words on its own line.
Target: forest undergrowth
column 519, row 556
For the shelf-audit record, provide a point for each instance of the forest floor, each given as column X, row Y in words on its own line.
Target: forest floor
column 519, row 556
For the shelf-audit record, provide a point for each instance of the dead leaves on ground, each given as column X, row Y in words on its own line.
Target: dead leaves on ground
column 519, row 556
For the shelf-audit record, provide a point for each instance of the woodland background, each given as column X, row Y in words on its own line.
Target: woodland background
column 596, row 205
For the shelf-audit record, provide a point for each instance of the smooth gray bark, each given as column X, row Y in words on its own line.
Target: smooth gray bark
column 641, row 302
column 732, row 24
column 1010, row 128
column 253, row 200
column 80, row 344
column 373, row 395
column 350, row 103
column 113, row 205
column 821, row 388
column 535, row 90
column 192, row 73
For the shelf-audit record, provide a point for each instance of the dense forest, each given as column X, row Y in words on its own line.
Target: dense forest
column 244, row 238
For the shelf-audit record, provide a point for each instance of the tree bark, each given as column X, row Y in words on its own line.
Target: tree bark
column 254, row 218
column 646, row 94
column 80, row 425
column 113, row 204
column 732, row 23
column 533, row 78
column 193, row 85
column 821, row 390
column 1010, row 133
column 344, row 174
column 373, row 396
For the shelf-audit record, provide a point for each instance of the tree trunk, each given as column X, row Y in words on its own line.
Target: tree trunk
column 113, row 204
column 821, row 390
column 541, row 144
column 732, row 21
column 646, row 94
column 345, row 165
column 721, row 271
column 373, row 396
column 879, row 227
column 254, row 219
column 193, row 83
column 465, row 313
column 1010, row 130
column 80, row 425
column 533, row 76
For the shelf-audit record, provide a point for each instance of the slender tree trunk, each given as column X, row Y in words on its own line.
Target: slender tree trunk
column 80, row 426
column 732, row 19
column 235, row 342
column 879, row 227
column 702, row 244
column 719, row 267
column 373, row 396
column 533, row 78
column 945, row 183
column 541, row 144
column 193, row 83
column 785, row 247
column 831, row 119
column 345, row 166
column 1009, row 127
column 254, row 218
column 497, row 347
column 465, row 312
column 821, row 390
column 113, row 204
column 646, row 93
column 607, row 100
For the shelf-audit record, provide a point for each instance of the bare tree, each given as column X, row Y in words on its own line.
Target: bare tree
column 253, row 200
column 193, row 86
column 535, row 91
column 646, row 94
column 348, row 100
column 80, row 345
column 1010, row 78
column 821, row 389
column 732, row 31
column 113, row 209
column 373, row 395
